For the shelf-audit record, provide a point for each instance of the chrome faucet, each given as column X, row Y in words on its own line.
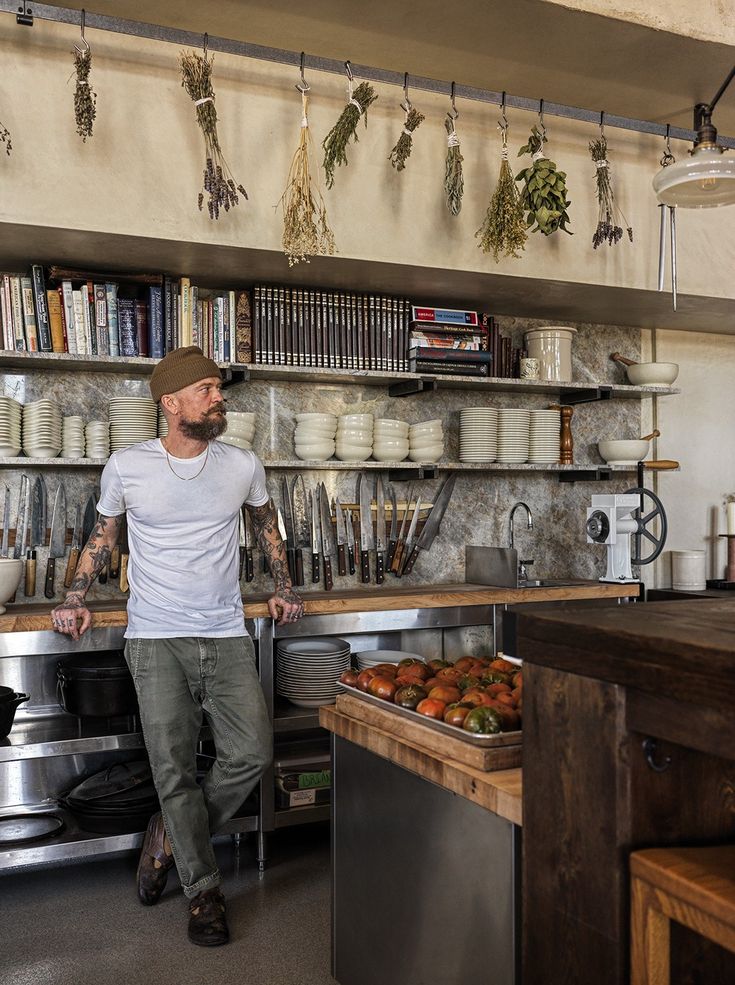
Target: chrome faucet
column 522, row 565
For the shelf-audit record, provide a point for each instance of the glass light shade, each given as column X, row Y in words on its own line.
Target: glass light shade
column 703, row 181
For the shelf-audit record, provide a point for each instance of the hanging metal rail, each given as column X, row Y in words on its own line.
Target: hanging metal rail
column 27, row 11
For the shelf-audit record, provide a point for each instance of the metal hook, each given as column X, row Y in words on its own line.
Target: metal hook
column 602, row 122
column 406, row 104
column 206, row 43
column 85, row 49
column 304, row 86
column 667, row 157
column 348, row 68
column 503, row 121
column 454, row 112
column 650, row 748
column 542, row 125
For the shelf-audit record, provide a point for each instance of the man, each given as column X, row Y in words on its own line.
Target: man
column 186, row 643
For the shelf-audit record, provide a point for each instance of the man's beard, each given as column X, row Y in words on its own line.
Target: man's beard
column 212, row 425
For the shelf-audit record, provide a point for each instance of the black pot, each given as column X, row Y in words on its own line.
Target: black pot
column 6, row 694
column 7, row 711
column 96, row 685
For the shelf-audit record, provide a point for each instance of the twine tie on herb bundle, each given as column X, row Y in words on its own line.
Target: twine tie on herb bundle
column 218, row 182
column 413, row 119
column 504, row 230
column 85, row 98
column 608, row 228
column 453, row 175
column 544, row 190
column 335, row 143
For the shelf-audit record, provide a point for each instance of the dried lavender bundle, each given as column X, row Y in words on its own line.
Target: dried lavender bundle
column 453, row 177
column 402, row 150
column 504, row 230
column 219, row 184
column 306, row 231
column 85, row 98
column 608, row 230
column 5, row 138
column 335, row 143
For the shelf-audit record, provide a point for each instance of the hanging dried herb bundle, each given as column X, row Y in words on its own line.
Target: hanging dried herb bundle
column 335, row 143
column 402, row 151
column 196, row 78
column 453, row 177
column 5, row 138
column 85, row 98
column 608, row 231
column 504, row 230
column 306, row 231
column 544, row 193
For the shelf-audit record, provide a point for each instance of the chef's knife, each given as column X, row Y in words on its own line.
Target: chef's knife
column 90, row 520
column 299, row 508
column 21, row 521
column 395, row 566
column 57, row 541
column 290, row 538
column 341, row 538
column 124, row 554
column 316, row 545
column 266, row 566
column 328, row 545
column 102, row 577
column 38, row 533
column 381, row 543
column 243, row 540
column 114, row 559
column 282, row 531
column 349, row 524
column 367, row 541
column 76, row 548
column 6, row 523
column 249, row 571
column 431, row 527
column 410, row 538
column 393, row 539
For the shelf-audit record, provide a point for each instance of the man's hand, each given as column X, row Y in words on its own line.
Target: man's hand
column 285, row 606
column 66, row 616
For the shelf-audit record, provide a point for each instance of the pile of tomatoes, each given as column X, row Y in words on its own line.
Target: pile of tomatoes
column 477, row 694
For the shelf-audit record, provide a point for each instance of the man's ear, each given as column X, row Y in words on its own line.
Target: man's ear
column 170, row 403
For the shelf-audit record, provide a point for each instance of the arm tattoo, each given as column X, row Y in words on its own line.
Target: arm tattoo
column 265, row 528
column 94, row 557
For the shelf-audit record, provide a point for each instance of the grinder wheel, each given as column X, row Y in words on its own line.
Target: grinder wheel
column 644, row 520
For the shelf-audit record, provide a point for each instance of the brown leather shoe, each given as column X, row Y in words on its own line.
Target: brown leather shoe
column 152, row 879
column 207, row 920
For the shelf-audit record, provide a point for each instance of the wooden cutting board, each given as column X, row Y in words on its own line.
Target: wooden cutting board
column 500, row 757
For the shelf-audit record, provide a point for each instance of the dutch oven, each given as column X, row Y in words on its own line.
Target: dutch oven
column 9, row 701
column 117, row 800
column 96, row 685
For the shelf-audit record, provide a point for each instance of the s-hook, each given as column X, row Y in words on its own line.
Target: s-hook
column 667, row 158
column 406, row 104
column 84, row 40
column 542, row 125
column 302, row 86
column 650, row 748
column 454, row 112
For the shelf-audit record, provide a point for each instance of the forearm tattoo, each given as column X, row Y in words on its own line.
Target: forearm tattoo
column 96, row 554
column 265, row 528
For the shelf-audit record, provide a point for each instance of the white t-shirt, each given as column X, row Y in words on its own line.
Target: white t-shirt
column 183, row 536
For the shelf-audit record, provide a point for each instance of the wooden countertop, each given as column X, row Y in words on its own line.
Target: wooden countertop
column 33, row 617
column 499, row 792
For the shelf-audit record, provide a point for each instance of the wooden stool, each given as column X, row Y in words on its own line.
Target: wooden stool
column 693, row 886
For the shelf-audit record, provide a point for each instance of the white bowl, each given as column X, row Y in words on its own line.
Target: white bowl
column 316, row 451
column 353, row 453
column 358, row 436
column 11, row 570
column 644, row 374
column 380, row 433
column 389, row 454
column 306, row 434
column 426, row 429
column 428, row 453
column 243, row 415
column 388, row 424
column 317, row 418
column 227, row 439
column 391, row 442
column 40, row 451
column 436, row 422
column 356, row 420
column 623, row 452
column 9, row 451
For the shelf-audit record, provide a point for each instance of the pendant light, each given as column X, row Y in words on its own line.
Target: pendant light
column 707, row 178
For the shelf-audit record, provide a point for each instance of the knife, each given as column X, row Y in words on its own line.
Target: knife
column 381, row 541
column 349, row 523
column 299, row 508
column 6, row 523
column 21, row 521
column 431, row 527
column 266, row 566
column 289, row 539
column 38, row 533
column 367, row 541
column 102, row 577
column 341, row 538
column 316, row 542
column 249, row 571
column 124, row 554
column 328, row 546
column 395, row 566
column 411, row 536
column 57, row 540
column 282, row 532
column 76, row 549
column 393, row 539
column 243, row 542
column 114, row 558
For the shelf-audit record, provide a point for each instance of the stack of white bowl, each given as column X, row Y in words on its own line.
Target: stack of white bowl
column 543, row 445
column 514, row 425
column 132, row 420
column 478, row 434
column 42, row 429
column 390, row 440
column 162, row 423
column 97, row 439
column 314, row 436
column 72, row 437
column 426, row 441
column 10, row 416
column 355, row 437
column 240, row 429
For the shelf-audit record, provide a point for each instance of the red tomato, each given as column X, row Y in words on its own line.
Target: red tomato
column 391, row 669
column 464, row 664
column 445, row 693
column 495, row 689
column 382, row 687
column 365, row 676
column 431, row 708
column 456, row 713
column 349, row 677
column 449, row 674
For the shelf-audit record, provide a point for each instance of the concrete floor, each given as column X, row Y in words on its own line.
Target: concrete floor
column 82, row 924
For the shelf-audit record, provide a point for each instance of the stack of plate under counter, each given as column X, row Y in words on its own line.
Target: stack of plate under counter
column 307, row 670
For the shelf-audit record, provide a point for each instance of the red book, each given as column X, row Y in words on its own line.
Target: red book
column 141, row 326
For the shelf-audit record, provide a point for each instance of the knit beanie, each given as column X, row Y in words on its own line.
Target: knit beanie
column 181, row 368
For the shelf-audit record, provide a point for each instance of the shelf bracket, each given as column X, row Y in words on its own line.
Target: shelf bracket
column 406, row 388
column 408, row 475
column 585, row 475
column 234, row 374
column 594, row 393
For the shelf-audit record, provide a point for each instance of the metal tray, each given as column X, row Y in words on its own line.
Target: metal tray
column 481, row 741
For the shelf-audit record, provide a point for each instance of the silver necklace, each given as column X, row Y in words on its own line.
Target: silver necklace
column 186, row 478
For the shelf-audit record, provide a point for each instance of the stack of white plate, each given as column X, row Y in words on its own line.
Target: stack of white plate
column 162, row 423
column 308, row 670
column 97, row 439
column 478, row 434
column 355, row 437
column 72, row 437
column 314, row 436
column 514, row 427
column 543, row 446
column 369, row 658
column 390, row 440
column 426, row 441
column 132, row 419
column 42, row 429
column 10, row 416
column 240, row 429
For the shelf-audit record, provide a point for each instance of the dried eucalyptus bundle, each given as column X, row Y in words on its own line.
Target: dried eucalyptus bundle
column 335, row 143
column 196, row 78
column 306, row 231
column 85, row 98
column 402, row 151
column 453, row 177
column 504, row 230
column 608, row 231
column 5, row 138
column 544, row 193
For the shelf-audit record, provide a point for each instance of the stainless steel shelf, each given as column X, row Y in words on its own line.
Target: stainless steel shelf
column 289, row 718
column 289, row 817
column 39, row 740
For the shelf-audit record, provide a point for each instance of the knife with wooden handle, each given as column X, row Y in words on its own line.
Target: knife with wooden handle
column 74, row 552
column 350, row 524
column 341, row 538
column 124, row 554
column 316, row 546
column 57, row 543
column 433, row 522
column 396, row 563
column 328, row 545
column 367, row 540
column 30, row 574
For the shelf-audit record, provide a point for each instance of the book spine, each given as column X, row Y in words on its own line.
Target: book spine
column 231, row 327
column 113, row 327
column 185, row 311
column 404, row 335
column 243, row 328
column 16, row 300
column 91, row 318
column 78, row 316
column 141, row 327
column 256, row 324
column 309, row 342
column 100, row 320
column 451, row 315
column 215, row 326
column 222, row 308
column 29, row 314
column 126, row 318
column 394, row 334
column 39, row 296
column 313, row 328
column 55, row 320
column 155, row 322
column 67, row 301
column 8, row 334
column 168, row 310
column 196, row 334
